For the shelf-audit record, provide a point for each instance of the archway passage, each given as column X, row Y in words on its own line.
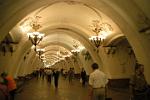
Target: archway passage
column 67, row 27
column 68, row 30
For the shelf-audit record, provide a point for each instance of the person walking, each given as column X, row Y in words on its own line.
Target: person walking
column 83, row 76
column 56, row 77
column 97, row 82
column 49, row 75
column 71, row 74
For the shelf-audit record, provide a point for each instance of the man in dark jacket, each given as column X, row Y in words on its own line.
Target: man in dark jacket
column 83, row 76
column 56, row 77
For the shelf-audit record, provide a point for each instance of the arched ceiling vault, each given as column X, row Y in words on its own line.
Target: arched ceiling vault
column 64, row 22
column 48, row 4
column 116, row 11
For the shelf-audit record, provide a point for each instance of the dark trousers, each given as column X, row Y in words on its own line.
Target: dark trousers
column 142, row 95
column 83, row 82
column 12, row 94
column 56, row 82
column 49, row 78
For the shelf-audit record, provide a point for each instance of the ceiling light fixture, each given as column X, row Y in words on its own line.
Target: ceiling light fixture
column 101, row 30
column 35, row 37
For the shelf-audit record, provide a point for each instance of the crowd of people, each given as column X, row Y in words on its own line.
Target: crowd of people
column 53, row 74
column 48, row 74
column 97, row 80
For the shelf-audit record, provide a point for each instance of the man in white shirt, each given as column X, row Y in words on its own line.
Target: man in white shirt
column 97, row 81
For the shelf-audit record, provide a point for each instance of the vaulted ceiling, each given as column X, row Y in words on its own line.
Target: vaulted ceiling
column 64, row 24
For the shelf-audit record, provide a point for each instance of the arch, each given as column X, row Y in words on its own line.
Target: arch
column 119, row 15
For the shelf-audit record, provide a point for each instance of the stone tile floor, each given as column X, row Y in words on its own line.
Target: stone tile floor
column 42, row 90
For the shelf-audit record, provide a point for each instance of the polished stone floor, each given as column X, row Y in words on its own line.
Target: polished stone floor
column 42, row 90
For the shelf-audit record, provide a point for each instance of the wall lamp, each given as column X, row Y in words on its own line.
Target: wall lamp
column 110, row 49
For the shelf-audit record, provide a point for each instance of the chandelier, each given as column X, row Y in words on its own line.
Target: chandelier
column 35, row 37
column 101, row 31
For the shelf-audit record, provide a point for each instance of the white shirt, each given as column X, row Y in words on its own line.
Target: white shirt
column 98, row 79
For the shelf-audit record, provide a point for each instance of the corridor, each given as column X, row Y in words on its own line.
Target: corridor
column 44, row 36
column 42, row 90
